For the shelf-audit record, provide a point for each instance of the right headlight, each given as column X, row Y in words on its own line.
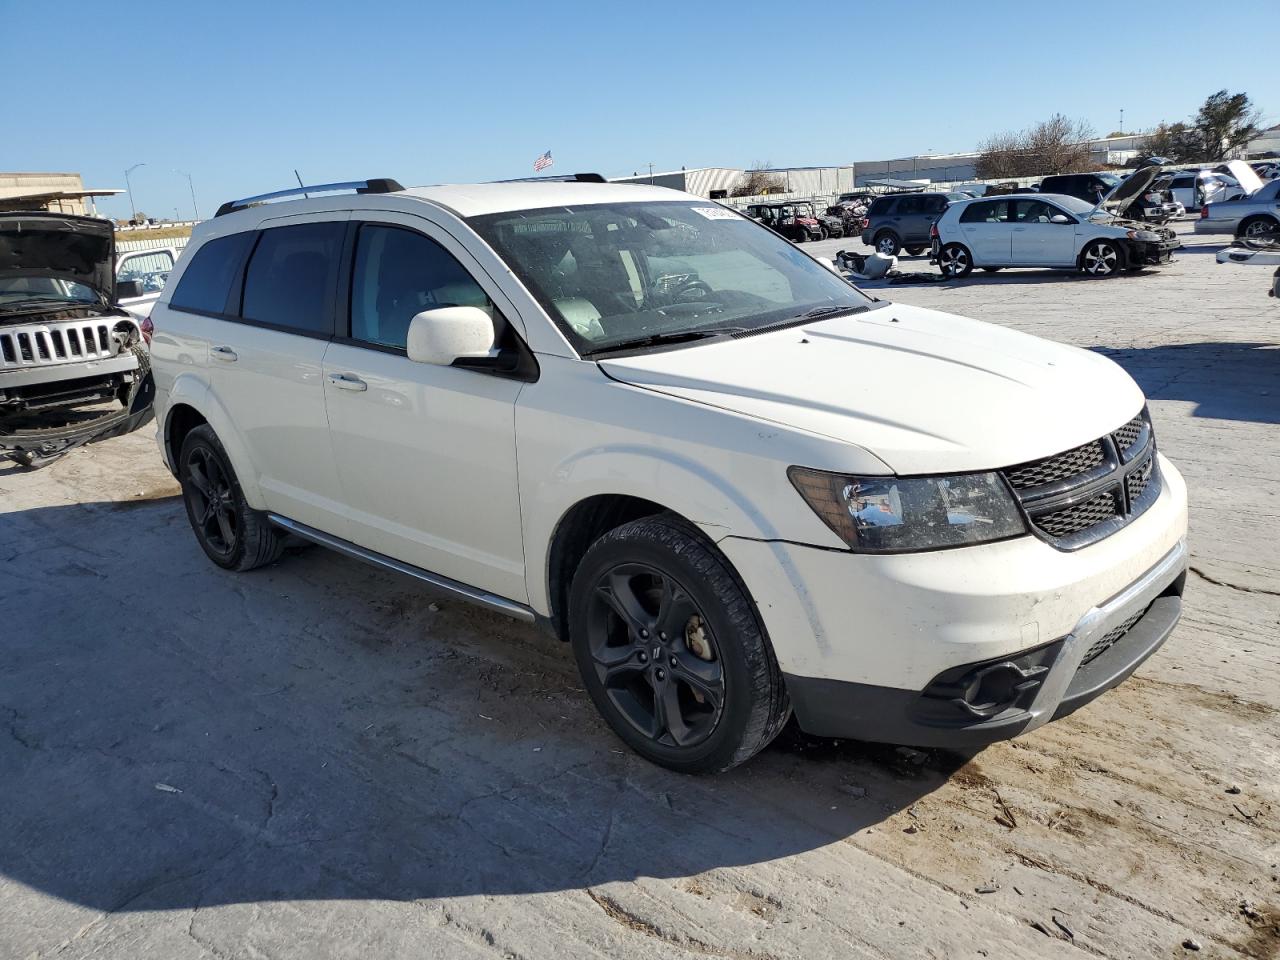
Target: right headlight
column 906, row 514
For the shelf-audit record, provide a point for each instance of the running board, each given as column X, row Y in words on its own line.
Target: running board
column 476, row 596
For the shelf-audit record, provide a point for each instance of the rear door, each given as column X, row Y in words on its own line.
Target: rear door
column 1037, row 240
column 985, row 230
column 267, row 365
column 426, row 454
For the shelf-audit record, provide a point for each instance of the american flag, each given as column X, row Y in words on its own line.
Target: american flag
column 542, row 162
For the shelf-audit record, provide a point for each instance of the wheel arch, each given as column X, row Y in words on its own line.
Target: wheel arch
column 1255, row 218
column 189, row 405
column 1122, row 245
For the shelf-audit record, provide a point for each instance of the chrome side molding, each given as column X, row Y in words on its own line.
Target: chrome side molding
column 480, row 597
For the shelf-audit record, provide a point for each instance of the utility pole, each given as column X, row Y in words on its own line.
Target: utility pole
column 133, row 211
column 194, row 208
column 1122, row 119
column 651, row 174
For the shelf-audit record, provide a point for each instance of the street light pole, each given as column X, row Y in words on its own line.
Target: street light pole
column 133, row 211
column 194, row 208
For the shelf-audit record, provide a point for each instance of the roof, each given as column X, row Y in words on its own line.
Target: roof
column 474, row 199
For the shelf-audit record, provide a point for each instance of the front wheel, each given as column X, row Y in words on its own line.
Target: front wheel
column 670, row 649
column 915, row 251
column 954, row 260
column 1101, row 258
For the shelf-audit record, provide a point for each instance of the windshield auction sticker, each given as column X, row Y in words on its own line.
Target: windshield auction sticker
column 717, row 213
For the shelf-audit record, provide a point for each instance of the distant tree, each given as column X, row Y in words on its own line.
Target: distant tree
column 757, row 181
column 1225, row 123
column 1175, row 141
column 1056, row 145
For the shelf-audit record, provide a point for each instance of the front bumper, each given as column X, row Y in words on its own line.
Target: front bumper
column 1057, row 678
column 870, row 644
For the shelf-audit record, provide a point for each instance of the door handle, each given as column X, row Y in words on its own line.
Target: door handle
column 347, row 381
column 224, row 353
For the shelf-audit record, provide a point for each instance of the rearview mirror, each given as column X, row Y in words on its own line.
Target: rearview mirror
column 128, row 288
column 446, row 334
column 1059, row 218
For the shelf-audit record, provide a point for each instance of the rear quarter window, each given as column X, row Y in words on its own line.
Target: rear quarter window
column 206, row 282
column 880, row 207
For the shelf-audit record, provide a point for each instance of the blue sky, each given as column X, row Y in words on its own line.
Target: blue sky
column 239, row 94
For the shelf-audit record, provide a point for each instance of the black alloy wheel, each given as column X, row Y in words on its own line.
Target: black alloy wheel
column 211, row 502
column 655, row 655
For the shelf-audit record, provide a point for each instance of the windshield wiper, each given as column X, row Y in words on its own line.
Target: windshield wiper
column 34, row 301
column 659, row 339
column 830, row 311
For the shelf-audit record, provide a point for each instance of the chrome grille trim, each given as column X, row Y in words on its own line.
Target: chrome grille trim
column 27, row 345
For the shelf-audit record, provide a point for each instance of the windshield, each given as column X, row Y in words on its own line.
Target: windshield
column 45, row 290
column 1073, row 204
column 613, row 274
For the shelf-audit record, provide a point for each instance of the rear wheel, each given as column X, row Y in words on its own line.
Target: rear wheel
column 670, row 649
column 915, row 251
column 954, row 260
column 992, row 269
column 888, row 244
column 1102, row 258
column 1257, row 228
column 232, row 534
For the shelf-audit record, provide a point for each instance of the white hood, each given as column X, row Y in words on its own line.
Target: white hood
column 1245, row 175
column 926, row 392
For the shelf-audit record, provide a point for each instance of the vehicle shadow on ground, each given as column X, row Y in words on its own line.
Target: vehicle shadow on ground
column 1003, row 278
column 173, row 736
column 1226, row 381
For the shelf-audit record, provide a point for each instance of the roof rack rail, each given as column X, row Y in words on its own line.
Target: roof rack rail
column 376, row 185
column 565, row 178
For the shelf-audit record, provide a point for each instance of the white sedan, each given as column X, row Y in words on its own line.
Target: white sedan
column 1045, row 230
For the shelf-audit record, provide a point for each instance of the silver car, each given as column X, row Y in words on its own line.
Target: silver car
column 1254, row 215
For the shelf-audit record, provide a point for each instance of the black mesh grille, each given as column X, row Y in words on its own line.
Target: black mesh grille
column 1072, row 463
column 1065, row 522
column 1128, row 435
column 1136, row 482
column 1110, row 639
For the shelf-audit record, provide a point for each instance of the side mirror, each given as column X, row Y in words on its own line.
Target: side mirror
column 128, row 288
column 446, row 334
column 1059, row 218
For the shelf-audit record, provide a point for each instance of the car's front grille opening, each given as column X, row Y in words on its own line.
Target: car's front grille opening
column 1111, row 638
column 1078, row 497
column 1051, row 469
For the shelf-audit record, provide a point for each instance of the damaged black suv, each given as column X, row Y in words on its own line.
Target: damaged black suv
column 74, row 367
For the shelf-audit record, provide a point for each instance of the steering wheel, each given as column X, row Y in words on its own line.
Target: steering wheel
column 693, row 291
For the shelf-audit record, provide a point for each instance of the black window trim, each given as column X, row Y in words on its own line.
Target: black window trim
column 525, row 366
column 331, row 295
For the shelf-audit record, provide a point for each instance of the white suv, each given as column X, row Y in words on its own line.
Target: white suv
column 736, row 485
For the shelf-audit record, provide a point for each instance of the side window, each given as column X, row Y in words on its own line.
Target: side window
column 398, row 273
column 290, row 276
column 1033, row 211
column 152, row 269
column 206, row 282
column 989, row 211
column 881, row 207
column 910, row 205
column 937, row 204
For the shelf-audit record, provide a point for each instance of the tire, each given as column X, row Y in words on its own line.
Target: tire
column 888, row 243
column 955, row 261
column 823, row 233
column 1102, row 258
column 701, row 696
column 915, row 251
column 993, row 269
column 232, row 534
column 1256, row 228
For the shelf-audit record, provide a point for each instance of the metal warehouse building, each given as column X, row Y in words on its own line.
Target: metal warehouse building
column 717, row 183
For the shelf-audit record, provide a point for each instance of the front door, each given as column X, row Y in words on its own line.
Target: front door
column 1037, row 240
column 426, row 454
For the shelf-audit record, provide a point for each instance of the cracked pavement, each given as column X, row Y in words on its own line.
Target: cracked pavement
column 311, row 761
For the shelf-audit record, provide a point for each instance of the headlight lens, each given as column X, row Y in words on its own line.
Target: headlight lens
column 905, row 514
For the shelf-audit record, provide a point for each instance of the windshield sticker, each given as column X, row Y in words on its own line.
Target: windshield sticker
column 718, row 213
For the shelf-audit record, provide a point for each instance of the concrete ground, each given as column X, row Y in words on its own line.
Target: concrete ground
column 320, row 760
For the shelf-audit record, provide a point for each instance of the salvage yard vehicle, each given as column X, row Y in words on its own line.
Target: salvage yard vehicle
column 902, row 220
column 851, row 220
column 1254, row 215
column 791, row 220
column 1194, row 188
column 1046, row 231
column 829, row 225
column 73, row 365
column 150, row 268
column 627, row 414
